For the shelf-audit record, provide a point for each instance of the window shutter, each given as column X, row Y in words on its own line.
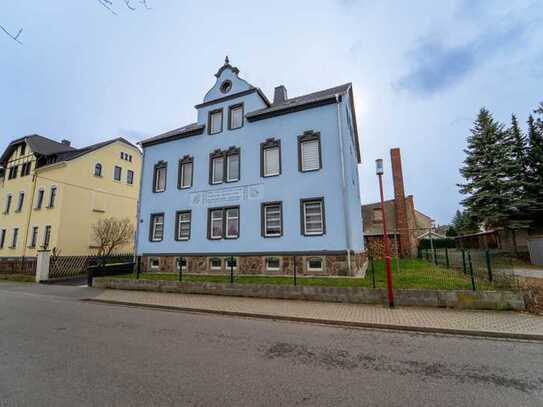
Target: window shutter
column 310, row 155
column 271, row 161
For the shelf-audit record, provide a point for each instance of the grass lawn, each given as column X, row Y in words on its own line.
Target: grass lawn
column 412, row 274
column 22, row 278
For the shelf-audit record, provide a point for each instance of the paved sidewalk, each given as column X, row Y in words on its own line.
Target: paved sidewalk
column 468, row 322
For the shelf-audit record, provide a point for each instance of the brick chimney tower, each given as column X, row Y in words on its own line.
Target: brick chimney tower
column 400, row 204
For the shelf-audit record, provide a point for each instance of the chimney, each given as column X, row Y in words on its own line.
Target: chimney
column 279, row 95
column 400, row 204
column 66, row 142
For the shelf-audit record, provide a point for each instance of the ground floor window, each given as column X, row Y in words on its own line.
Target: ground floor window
column 273, row 263
column 154, row 264
column 181, row 262
column 314, row 264
column 231, row 262
column 215, row 264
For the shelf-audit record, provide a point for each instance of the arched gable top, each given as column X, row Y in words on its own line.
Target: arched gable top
column 228, row 83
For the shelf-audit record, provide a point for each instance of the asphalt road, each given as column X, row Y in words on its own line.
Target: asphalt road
column 58, row 351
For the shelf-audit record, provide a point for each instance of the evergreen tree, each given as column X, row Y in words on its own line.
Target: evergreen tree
column 463, row 223
column 486, row 170
column 515, row 164
column 534, row 160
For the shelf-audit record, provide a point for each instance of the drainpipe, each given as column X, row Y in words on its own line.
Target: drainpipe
column 34, row 179
column 138, row 207
column 346, row 214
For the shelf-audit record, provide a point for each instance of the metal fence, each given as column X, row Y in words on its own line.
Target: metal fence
column 75, row 267
column 110, row 266
column 485, row 269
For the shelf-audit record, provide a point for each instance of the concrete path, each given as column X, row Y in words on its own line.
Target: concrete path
column 528, row 272
column 468, row 322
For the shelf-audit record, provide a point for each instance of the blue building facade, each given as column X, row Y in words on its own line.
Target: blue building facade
column 270, row 183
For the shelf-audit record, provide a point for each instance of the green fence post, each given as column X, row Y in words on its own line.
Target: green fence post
column 372, row 271
column 471, row 271
column 447, row 257
column 464, row 261
column 435, row 256
column 231, row 269
column 488, row 265
column 294, row 264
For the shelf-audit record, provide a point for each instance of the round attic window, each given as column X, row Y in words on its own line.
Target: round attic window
column 226, row 86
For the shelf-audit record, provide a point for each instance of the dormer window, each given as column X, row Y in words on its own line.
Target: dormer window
column 226, row 86
column 215, row 121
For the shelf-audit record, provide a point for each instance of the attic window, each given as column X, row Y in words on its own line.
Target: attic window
column 226, row 86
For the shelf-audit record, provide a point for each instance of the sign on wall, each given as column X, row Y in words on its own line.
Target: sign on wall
column 226, row 196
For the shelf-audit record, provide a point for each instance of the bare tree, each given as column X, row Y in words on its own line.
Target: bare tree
column 132, row 5
column 14, row 37
column 111, row 233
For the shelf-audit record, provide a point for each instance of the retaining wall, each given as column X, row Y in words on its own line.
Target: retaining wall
column 464, row 299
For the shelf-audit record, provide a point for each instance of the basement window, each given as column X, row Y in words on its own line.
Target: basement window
column 314, row 264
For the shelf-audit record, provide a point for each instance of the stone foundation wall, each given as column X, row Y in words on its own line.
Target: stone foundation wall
column 332, row 265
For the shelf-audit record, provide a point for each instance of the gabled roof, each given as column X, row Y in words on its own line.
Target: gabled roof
column 38, row 144
column 189, row 130
column 70, row 155
column 299, row 101
column 308, row 101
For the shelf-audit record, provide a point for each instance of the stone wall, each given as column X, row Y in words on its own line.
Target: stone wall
column 333, row 265
column 464, row 299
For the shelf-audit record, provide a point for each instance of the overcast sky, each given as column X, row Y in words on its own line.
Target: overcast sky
column 420, row 72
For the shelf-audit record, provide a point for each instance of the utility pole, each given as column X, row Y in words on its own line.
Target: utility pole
column 379, row 171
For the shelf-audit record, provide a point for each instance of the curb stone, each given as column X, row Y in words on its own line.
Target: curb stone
column 409, row 328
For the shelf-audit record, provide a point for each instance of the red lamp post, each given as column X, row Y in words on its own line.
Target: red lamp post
column 379, row 171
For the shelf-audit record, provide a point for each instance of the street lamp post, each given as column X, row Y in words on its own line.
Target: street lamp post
column 379, row 171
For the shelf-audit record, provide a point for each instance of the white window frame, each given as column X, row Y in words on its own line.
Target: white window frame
column 154, row 224
column 264, row 168
column 130, row 180
column 158, row 169
column 227, row 266
column 152, row 266
column 265, row 207
column 215, row 268
column 304, row 210
column 228, row 158
column 178, row 264
column 227, row 218
column 211, row 115
column 179, row 222
column 182, row 175
column 98, row 173
column 272, row 269
column 115, row 168
column 313, row 269
column 221, row 179
column 303, row 141
column 219, row 219
column 231, row 110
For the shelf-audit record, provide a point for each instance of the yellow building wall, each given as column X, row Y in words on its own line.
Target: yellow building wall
column 16, row 219
column 81, row 200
